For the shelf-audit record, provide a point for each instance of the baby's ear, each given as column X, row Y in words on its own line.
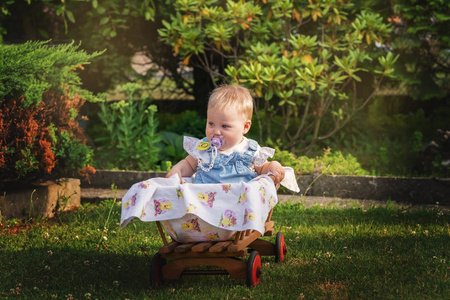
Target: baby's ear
column 247, row 126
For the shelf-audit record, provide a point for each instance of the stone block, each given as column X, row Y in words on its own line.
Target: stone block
column 42, row 200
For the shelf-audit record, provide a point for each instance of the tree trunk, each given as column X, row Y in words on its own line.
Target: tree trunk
column 202, row 89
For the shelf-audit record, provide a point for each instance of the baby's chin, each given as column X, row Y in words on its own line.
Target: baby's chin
column 224, row 148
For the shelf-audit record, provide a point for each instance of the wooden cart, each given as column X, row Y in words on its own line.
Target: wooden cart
column 175, row 259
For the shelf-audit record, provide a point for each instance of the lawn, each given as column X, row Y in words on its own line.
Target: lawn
column 334, row 253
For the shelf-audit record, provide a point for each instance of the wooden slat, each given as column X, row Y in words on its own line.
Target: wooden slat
column 239, row 236
column 269, row 225
column 202, row 247
column 235, row 247
column 183, row 248
column 168, row 248
column 264, row 248
column 174, row 269
column 269, row 232
column 270, row 215
column 220, row 246
column 192, row 254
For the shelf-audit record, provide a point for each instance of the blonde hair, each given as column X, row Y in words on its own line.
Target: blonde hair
column 236, row 96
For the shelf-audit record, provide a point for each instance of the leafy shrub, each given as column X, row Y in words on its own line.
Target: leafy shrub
column 130, row 139
column 172, row 148
column 187, row 123
column 39, row 102
column 329, row 163
column 29, row 70
column 299, row 58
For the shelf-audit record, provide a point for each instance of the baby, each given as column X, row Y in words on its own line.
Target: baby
column 225, row 155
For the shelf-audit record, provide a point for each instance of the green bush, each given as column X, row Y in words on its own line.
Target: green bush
column 129, row 140
column 305, row 61
column 330, row 163
column 29, row 70
column 40, row 97
column 172, row 148
column 187, row 123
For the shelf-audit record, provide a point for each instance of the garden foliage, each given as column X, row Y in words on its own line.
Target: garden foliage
column 254, row 40
column 187, row 123
column 421, row 37
column 131, row 138
column 306, row 61
column 330, row 163
column 40, row 98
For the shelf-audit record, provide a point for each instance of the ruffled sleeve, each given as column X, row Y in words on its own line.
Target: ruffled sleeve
column 190, row 144
column 262, row 155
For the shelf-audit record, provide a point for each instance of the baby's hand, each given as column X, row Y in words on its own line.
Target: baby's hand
column 174, row 171
column 277, row 170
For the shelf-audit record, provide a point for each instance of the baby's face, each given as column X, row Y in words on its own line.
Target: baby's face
column 228, row 123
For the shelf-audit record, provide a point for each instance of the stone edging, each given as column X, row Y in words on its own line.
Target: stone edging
column 410, row 190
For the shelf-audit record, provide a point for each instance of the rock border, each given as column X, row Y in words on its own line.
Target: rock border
column 43, row 200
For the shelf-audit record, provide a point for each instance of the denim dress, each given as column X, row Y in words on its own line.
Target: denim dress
column 232, row 168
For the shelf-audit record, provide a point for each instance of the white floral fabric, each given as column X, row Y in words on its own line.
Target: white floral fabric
column 201, row 212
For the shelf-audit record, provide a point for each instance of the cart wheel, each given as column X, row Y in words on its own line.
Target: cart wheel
column 280, row 248
column 156, row 270
column 253, row 269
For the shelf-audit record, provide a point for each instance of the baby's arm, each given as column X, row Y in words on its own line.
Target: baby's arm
column 184, row 168
column 273, row 167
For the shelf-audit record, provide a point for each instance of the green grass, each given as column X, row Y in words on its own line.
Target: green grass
column 379, row 253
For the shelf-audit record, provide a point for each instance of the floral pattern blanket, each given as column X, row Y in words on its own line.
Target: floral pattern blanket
column 201, row 212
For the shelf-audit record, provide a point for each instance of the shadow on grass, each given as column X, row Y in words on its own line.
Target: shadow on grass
column 68, row 271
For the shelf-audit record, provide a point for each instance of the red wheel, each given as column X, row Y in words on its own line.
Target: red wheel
column 280, row 248
column 253, row 269
column 156, row 265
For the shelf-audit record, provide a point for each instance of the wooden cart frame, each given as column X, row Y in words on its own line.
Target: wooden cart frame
column 175, row 259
